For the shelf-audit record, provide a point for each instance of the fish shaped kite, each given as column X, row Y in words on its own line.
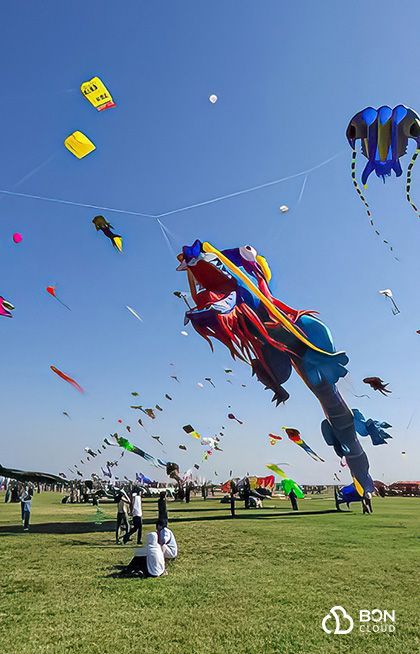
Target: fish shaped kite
column 101, row 224
column 79, row 144
column 295, row 437
column 67, row 379
column 377, row 384
column 98, row 95
column 52, row 292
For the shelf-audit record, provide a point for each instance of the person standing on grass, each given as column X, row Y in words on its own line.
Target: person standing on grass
column 122, row 515
column 162, row 510
column 247, row 492
column 293, row 500
column 188, row 493
column 137, row 513
column 25, row 504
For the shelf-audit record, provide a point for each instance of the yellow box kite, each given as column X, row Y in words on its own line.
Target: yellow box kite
column 98, row 95
column 79, row 144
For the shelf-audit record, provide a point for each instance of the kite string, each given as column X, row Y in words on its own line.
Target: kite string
column 220, row 198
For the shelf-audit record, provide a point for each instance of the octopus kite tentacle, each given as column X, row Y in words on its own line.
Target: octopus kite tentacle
column 363, row 199
column 408, row 181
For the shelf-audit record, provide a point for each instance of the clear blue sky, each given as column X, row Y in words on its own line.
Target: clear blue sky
column 289, row 76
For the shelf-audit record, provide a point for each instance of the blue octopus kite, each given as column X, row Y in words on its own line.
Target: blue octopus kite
column 384, row 135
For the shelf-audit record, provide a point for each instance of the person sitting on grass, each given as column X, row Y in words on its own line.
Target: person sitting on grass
column 167, row 541
column 148, row 561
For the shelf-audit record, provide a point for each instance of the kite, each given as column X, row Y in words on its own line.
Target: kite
column 131, row 310
column 403, row 453
column 182, row 447
column 134, row 393
column 288, row 485
column 233, row 417
column 98, row 95
column 373, row 428
column 284, row 208
column 66, row 414
column 274, row 468
column 210, row 381
column 126, row 445
column 150, row 413
column 67, row 379
column 61, row 474
column 168, row 397
column 183, row 333
column 35, row 477
column 274, row 438
column 140, row 477
column 51, row 291
column 109, row 442
column 200, row 385
column 336, row 477
column 159, row 408
column 176, row 378
column 136, row 406
column 384, row 135
column 128, row 428
column 295, row 437
column 90, row 452
column 228, row 371
column 101, row 224
column 213, row 98
column 120, row 421
column 377, row 384
column 388, row 293
column 234, row 304
column 17, row 238
column 79, row 144
column 191, row 431
column 140, row 422
column 157, row 438
column 6, row 308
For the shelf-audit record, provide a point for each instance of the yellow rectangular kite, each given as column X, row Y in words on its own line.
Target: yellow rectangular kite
column 79, row 144
column 98, row 95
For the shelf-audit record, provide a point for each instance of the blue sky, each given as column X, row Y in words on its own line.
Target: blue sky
column 289, row 77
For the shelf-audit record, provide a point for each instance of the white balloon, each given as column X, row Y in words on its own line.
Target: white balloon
column 213, row 98
column 284, row 208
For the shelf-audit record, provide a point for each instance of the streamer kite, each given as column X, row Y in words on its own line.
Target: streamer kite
column 130, row 447
column 68, row 379
column 101, row 224
column 295, row 437
column 51, row 290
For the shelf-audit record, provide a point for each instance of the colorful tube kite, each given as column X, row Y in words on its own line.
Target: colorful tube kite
column 295, row 437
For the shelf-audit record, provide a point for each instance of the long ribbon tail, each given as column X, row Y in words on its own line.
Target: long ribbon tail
column 363, row 199
column 408, row 182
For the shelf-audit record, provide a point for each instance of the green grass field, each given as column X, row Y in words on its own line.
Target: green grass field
column 258, row 584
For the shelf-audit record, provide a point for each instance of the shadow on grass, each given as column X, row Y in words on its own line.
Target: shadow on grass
column 109, row 525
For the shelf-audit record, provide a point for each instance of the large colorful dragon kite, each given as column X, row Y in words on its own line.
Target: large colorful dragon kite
column 234, row 304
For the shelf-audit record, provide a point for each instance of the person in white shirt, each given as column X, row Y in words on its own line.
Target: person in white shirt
column 148, row 561
column 167, row 541
column 137, row 513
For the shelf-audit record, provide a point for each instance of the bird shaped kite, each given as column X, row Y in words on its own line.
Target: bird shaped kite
column 377, row 384
column 295, row 437
column 101, row 224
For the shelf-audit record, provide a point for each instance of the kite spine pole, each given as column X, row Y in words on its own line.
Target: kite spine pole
column 363, row 199
column 408, row 183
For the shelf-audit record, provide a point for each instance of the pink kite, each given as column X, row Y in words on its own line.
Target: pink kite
column 67, row 379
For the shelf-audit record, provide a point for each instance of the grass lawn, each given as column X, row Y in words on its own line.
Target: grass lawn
column 258, row 584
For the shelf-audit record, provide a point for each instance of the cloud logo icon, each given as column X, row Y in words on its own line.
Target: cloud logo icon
column 343, row 621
